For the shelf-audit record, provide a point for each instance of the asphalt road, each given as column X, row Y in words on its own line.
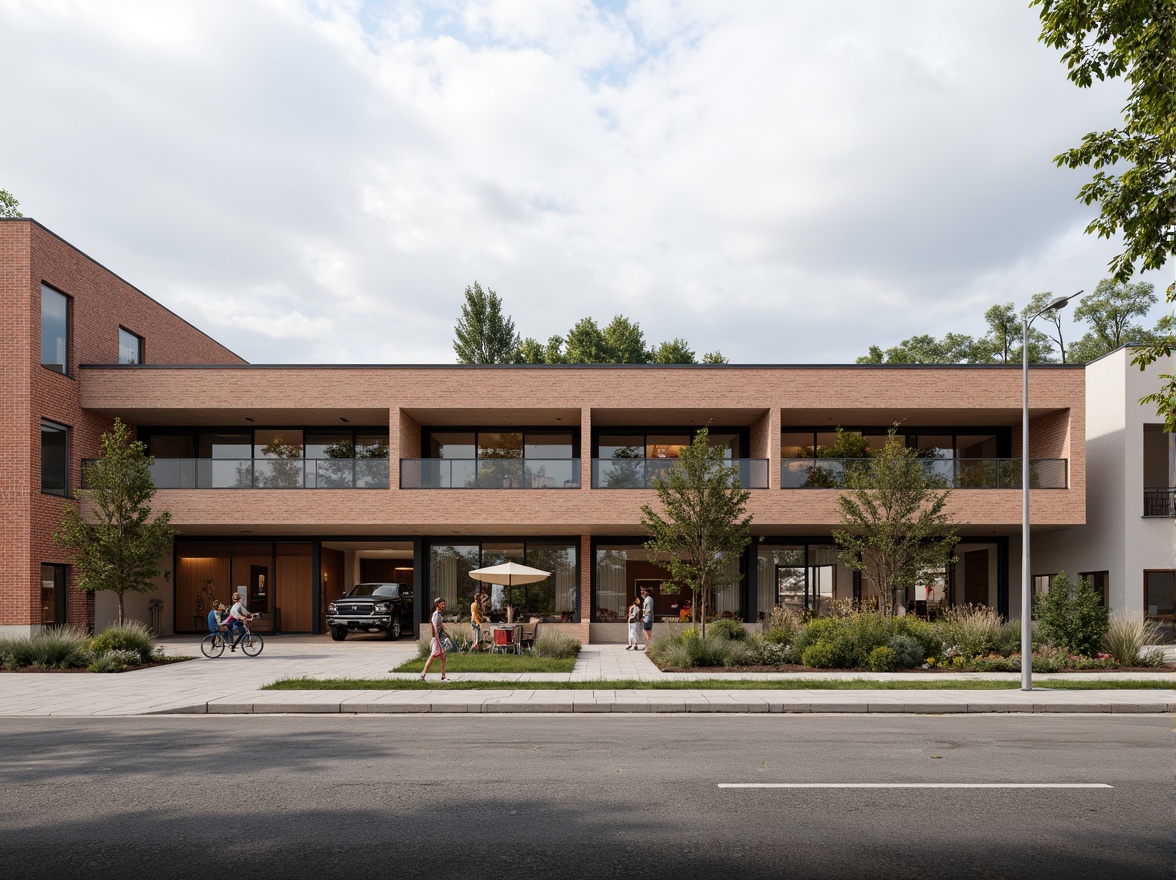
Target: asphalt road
column 566, row 796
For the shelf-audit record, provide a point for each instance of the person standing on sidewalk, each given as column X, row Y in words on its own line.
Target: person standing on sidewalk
column 646, row 617
column 437, row 645
column 634, row 624
column 476, row 619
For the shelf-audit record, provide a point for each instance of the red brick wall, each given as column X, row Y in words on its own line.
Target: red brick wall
column 100, row 303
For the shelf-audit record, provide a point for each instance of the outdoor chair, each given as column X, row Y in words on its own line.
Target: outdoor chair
column 530, row 632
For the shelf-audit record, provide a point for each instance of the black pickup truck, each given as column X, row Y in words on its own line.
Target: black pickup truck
column 385, row 608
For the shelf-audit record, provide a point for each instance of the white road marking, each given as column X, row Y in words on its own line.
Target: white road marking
column 914, row 785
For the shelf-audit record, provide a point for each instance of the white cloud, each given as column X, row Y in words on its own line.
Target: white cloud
column 786, row 181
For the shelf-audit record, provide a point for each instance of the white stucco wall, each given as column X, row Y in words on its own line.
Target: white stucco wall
column 1117, row 538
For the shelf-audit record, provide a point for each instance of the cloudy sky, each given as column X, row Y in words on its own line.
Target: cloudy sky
column 789, row 182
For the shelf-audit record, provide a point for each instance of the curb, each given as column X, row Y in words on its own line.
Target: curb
column 668, row 707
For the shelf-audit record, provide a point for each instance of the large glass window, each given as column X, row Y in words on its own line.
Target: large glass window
column 54, row 458
column 804, row 578
column 54, row 330
column 621, row 571
column 553, row 599
column 130, row 347
column 1099, row 582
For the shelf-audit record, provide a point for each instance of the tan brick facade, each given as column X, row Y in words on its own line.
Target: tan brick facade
column 191, row 381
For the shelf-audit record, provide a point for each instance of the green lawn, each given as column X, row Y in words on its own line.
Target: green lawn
column 786, row 684
column 491, row 663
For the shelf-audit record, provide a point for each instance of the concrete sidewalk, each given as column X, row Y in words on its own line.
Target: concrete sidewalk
column 232, row 684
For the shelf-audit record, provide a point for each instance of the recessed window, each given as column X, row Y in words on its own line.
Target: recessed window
column 54, row 458
column 53, row 581
column 130, row 347
column 1099, row 582
column 54, row 330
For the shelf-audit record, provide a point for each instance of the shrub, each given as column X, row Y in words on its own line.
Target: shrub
column 973, row 630
column 1008, row 638
column 57, row 648
column 995, row 663
column 130, row 635
column 740, row 653
column 709, row 651
column 1127, row 639
column 115, row 660
column 924, row 635
column 675, row 655
column 783, row 625
column 557, row 646
column 1070, row 616
column 824, row 654
column 883, row 659
column 908, row 652
column 731, row 630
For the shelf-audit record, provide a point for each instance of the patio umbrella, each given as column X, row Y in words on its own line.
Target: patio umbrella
column 509, row 574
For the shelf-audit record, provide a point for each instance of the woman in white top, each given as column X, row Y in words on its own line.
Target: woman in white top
column 634, row 623
column 437, row 644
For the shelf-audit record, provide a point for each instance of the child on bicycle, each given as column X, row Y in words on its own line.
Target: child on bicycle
column 216, row 618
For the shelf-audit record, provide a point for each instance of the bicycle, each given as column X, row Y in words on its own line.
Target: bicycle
column 213, row 644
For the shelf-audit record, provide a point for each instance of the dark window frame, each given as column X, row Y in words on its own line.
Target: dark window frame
column 51, row 427
column 142, row 346
column 65, row 367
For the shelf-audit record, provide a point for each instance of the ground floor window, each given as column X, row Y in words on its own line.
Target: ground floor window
column 805, row 578
column 53, row 590
column 622, row 570
column 551, row 600
column 1159, row 600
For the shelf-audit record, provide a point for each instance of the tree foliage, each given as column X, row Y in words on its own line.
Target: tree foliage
column 119, row 547
column 675, row 351
column 704, row 526
column 624, row 342
column 1134, row 183
column 1072, row 616
column 895, row 528
column 483, row 335
column 9, row 206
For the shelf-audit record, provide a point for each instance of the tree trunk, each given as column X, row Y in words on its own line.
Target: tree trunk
column 120, row 607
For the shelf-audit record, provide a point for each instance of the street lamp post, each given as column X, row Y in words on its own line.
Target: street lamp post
column 1026, row 576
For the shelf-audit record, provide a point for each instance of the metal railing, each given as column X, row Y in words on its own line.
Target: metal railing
column 640, row 473
column 268, row 473
column 489, row 473
column 952, row 473
column 1159, row 502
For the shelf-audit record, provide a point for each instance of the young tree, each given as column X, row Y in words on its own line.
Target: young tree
column 483, row 334
column 9, row 206
column 715, row 357
column 1037, row 305
column 896, row 532
column 704, row 526
column 120, row 547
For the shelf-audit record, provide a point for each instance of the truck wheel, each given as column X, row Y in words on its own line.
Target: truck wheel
column 338, row 633
column 393, row 631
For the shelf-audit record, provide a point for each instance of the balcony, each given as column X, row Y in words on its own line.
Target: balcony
column 268, row 473
column 954, row 473
column 640, row 473
column 1159, row 502
column 489, row 473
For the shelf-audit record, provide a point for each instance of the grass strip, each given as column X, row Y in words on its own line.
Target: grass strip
column 707, row 684
column 491, row 663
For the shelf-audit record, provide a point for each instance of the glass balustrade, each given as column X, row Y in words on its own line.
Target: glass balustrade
column 952, row 473
column 269, row 473
column 640, row 473
column 490, row 473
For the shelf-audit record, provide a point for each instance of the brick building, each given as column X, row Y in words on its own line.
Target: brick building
column 297, row 482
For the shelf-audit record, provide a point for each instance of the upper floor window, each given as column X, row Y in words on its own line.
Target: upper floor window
column 130, row 347
column 54, row 458
column 54, row 330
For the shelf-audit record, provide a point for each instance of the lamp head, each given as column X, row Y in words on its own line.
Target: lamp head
column 1061, row 301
